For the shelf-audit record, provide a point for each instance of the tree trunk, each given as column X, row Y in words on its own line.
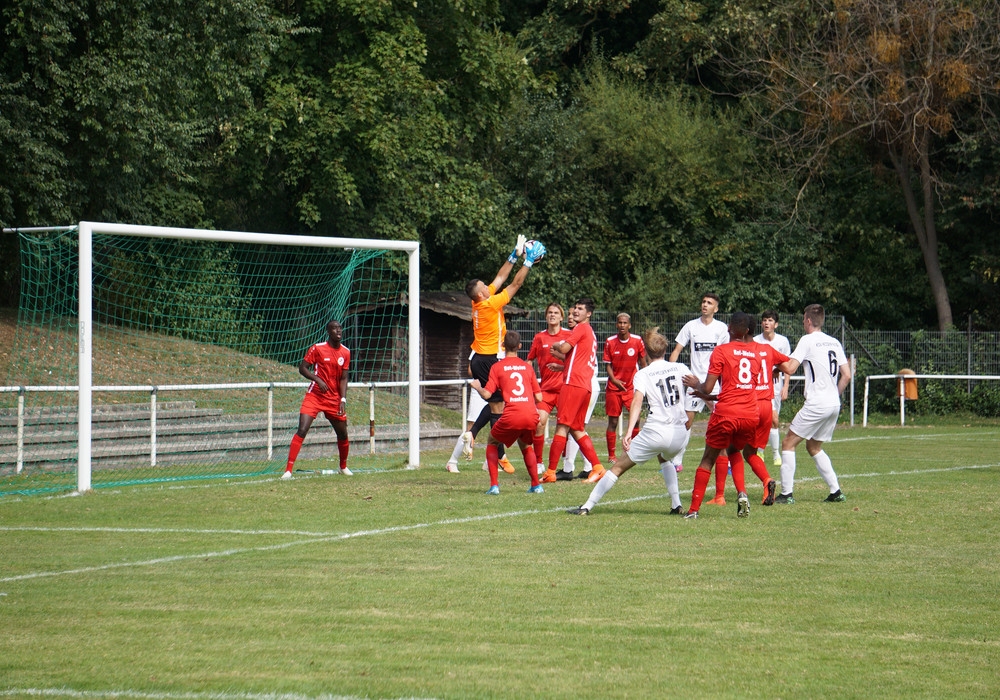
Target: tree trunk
column 924, row 227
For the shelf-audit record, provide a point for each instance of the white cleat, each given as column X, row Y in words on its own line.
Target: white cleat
column 286, row 475
column 346, row 472
column 467, row 442
column 451, row 467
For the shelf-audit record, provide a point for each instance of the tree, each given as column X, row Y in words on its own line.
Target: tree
column 904, row 78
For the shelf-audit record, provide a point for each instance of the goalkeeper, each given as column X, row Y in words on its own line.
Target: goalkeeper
column 489, row 325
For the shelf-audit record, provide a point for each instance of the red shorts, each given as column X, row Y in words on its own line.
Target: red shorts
column 509, row 430
column 616, row 402
column 549, row 399
column 763, row 433
column 724, row 431
column 328, row 403
column 571, row 408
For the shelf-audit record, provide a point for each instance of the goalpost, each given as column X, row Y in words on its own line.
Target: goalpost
column 232, row 306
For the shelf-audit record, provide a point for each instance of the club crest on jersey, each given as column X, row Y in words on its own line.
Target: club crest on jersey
column 630, row 352
column 340, row 361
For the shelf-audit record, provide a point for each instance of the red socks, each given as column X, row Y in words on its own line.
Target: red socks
column 701, row 477
column 556, row 452
column 739, row 474
column 587, row 449
column 612, row 438
column 721, row 467
column 531, row 463
column 293, row 451
column 492, row 459
column 343, row 447
column 757, row 464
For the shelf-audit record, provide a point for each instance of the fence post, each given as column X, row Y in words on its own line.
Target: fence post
column 969, row 365
column 371, row 418
column 864, row 418
column 902, row 400
column 270, row 421
column 854, row 369
column 152, row 427
column 20, row 429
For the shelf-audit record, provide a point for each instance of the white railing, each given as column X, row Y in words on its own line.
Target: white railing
column 155, row 390
column 903, row 378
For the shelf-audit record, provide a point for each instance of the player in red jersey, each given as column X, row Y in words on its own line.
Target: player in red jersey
column 515, row 380
column 550, row 369
column 735, row 366
column 770, row 360
column 624, row 353
column 580, row 349
column 326, row 365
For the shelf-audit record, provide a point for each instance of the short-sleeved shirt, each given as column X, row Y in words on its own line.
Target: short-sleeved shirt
column 489, row 326
column 541, row 352
column 581, row 361
column 329, row 364
column 821, row 356
column 662, row 383
column 701, row 340
column 769, row 356
column 517, row 382
column 737, row 365
column 781, row 344
column 623, row 356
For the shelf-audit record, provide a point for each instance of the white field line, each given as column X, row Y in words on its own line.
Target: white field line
column 333, row 537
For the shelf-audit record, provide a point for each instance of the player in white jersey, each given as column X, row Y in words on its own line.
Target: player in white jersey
column 666, row 429
column 701, row 335
column 768, row 324
column 827, row 374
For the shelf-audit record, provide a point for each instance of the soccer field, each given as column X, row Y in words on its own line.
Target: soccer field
column 399, row 584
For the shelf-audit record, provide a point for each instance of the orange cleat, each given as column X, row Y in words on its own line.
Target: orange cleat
column 717, row 501
column 549, row 477
column 506, row 465
column 596, row 472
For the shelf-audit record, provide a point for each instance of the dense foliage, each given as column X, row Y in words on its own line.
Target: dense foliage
column 617, row 132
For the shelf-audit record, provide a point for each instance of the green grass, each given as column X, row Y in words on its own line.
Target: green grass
column 413, row 583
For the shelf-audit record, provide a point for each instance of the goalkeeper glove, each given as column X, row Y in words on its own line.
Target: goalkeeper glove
column 534, row 253
column 518, row 250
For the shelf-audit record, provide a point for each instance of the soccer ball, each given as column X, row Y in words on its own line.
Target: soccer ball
column 531, row 245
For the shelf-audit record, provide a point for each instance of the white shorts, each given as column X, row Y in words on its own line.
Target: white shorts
column 815, row 423
column 476, row 405
column 692, row 404
column 664, row 440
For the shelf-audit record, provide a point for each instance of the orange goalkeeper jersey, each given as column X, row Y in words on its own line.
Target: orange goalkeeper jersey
column 488, row 323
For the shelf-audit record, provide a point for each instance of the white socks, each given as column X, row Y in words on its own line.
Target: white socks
column 457, row 451
column 572, row 450
column 669, row 472
column 825, row 467
column 774, row 441
column 601, row 488
column 787, row 471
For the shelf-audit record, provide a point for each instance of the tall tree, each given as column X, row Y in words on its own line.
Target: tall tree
column 904, row 78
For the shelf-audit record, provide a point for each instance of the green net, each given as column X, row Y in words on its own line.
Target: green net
column 173, row 313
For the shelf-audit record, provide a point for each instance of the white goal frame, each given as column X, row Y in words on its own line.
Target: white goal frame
column 86, row 231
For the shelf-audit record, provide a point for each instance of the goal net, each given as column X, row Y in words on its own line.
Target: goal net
column 149, row 354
